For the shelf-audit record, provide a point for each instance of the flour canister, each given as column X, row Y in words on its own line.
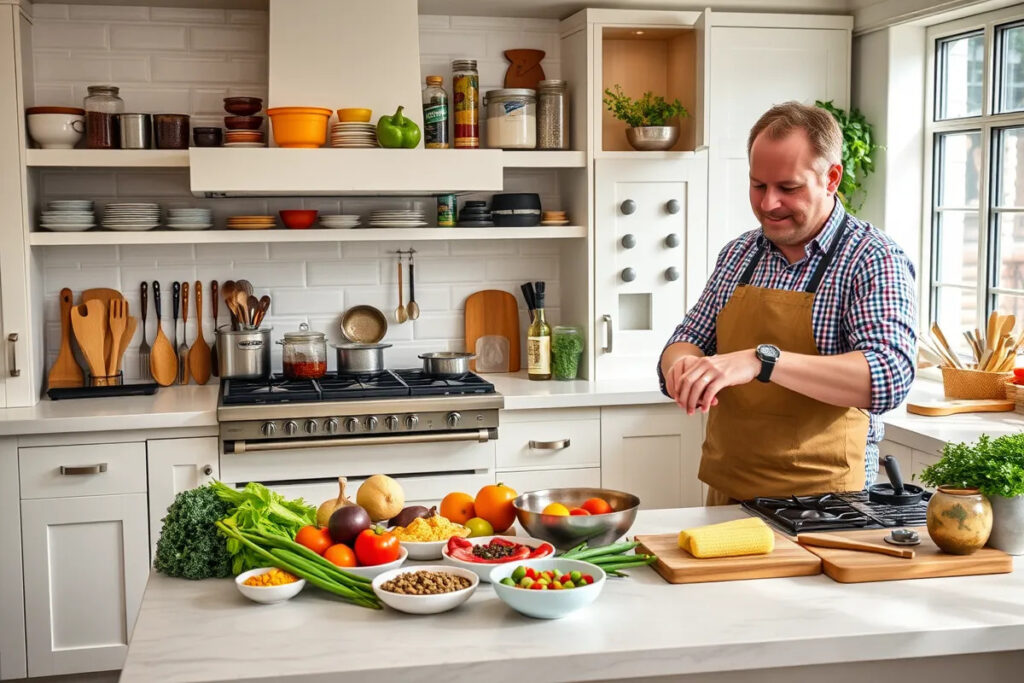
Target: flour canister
column 243, row 354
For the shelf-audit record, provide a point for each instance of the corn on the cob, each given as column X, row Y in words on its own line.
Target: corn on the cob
column 749, row 536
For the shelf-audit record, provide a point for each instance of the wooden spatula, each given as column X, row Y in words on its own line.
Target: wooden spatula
column 117, row 317
column 163, row 361
column 105, row 295
column 65, row 371
column 131, row 322
column 199, row 354
column 842, row 543
column 90, row 328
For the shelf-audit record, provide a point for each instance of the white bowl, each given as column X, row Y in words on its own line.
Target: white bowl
column 548, row 604
column 483, row 570
column 424, row 550
column 267, row 594
column 56, row 131
column 371, row 572
column 425, row 604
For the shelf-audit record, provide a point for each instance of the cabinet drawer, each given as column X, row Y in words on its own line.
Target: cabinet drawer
column 123, row 465
column 587, row 477
column 551, row 443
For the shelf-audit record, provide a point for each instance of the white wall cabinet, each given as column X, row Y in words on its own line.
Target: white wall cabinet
column 177, row 465
column 12, row 596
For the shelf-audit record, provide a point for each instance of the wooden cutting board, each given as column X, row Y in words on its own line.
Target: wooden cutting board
column 951, row 406
column 678, row 566
column 493, row 312
column 854, row 566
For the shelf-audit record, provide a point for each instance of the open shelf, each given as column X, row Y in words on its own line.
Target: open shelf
column 109, row 158
column 543, row 159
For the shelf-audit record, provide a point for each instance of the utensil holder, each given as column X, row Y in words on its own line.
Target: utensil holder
column 105, row 380
column 243, row 354
column 963, row 383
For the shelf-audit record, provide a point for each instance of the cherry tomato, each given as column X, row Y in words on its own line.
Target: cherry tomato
column 575, row 512
column 376, row 546
column 1018, row 373
column 597, row 506
column 316, row 539
column 341, row 555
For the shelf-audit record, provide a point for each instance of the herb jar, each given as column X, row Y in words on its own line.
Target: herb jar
column 552, row 115
column 566, row 350
column 466, row 104
column 511, row 118
column 304, row 354
column 435, row 114
column 102, row 106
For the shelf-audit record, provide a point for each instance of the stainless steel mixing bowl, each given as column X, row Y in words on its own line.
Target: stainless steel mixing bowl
column 566, row 532
column 652, row 138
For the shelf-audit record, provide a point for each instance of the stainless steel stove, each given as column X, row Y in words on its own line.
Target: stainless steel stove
column 835, row 511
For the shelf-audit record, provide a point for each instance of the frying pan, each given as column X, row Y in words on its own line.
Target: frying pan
column 896, row 492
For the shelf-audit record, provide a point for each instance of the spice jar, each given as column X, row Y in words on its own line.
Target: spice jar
column 435, row 114
column 466, row 96
column 102, row 106
column 566, row 350
column 304, row 354
column 552, row 115
column 511, row 118
column 171, row 131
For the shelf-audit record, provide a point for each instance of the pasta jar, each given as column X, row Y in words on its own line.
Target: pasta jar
column 511, row 118
column 552, row 115
column 304, row 354
column 466, row 96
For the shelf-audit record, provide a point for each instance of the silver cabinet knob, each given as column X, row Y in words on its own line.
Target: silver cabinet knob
column 207, row 470
column 392, row 422
column 351, row 424
column 672, row 274
column 627, row 207
column 628, row 274
column 454, row 419
column 290, row 427
column 629, row 241
column 268, row 429
column 371, row 423
column 411, row 421
column 672, row 206
column 331, row 426
column 672, row 240
column 311, row 426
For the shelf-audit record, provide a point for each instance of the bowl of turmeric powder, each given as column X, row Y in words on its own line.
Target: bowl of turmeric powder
column 269, row 585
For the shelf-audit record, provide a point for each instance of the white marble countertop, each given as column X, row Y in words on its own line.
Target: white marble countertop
column 521, row 393
column 640, row 626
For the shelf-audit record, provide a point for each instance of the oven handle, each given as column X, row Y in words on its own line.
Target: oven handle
column 479, row 435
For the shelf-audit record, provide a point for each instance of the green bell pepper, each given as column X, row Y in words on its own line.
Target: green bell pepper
column 397, row 131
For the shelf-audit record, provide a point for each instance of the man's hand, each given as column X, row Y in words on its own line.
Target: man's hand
column 697, row 381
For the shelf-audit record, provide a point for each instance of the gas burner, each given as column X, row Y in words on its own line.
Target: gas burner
column 834, row 511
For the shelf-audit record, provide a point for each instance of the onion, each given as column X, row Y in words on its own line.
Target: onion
column 327, row 508
column 346, row 523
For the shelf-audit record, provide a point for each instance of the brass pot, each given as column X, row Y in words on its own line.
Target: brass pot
column 959, row 520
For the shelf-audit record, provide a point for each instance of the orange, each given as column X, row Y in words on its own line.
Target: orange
column 494, row 503
column 340, row 555
column 458, row 507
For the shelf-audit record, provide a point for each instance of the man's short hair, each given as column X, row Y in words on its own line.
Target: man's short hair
column 822, row 130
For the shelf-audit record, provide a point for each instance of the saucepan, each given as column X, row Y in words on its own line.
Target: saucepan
column 360, row 359
column 446, row 364
column 895, row 492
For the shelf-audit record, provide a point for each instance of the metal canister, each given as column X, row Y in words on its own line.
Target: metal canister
column 136, row 131
column 447, row 210
column 243, row 354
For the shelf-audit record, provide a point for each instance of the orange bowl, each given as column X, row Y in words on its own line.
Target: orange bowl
column 299, row 126
column 298, row 218
column 355, row 115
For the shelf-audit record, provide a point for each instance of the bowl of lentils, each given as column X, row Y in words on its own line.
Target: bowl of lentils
column 426, row 589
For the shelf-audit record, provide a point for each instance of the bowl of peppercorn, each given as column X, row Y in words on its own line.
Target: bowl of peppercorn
column 481, row 554
column 425, row 589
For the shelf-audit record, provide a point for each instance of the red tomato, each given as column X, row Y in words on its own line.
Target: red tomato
column 579, row 511
column 376, row 546
column 316, row 539
column 1018, row 373
column 597, row 506
column 341, row 555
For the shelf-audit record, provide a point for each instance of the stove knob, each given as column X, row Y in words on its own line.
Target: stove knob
column 310, row 426
column 411, row 421
column 351, row 424
column 290, row 427
column 392, row 422
column 454, row 419
column 331, row 426
column 371, row 423
column 268, row 429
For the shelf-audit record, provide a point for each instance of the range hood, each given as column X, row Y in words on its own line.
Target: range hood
column 331, row 54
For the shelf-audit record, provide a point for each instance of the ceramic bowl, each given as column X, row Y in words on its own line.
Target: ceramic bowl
column 56, row 130
column 567, row 532
column 425, row 604
column 243, row 122
column 267, row 594
column 378, row 569
column 483, row 570
column 304, row 127
column 424, row 550
column 242, row 106
column 207, row 136
column 357, row 114
column 548, row 604
column 298, row 218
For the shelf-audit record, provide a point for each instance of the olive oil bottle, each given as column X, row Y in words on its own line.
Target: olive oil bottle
column 538, row 340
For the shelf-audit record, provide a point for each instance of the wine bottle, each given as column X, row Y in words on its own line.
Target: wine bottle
column 538, row 340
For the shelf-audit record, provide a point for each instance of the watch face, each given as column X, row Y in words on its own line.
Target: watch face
column 768, row 351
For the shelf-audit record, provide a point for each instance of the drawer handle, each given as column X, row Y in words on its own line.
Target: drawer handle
column 85, row 469
column 13, row 339
column 559, row 445
column 207, row 470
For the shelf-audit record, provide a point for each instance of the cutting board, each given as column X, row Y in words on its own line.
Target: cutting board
column 951, row 406
column 854, row 566
column 678, row 566
column 493, row 312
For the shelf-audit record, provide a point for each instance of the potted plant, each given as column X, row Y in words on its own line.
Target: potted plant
column 996, row 468
column 653, row 122
column 858, row 146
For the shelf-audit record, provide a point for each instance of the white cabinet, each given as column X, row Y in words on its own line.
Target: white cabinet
column 548, row 449
column 12, row 596
column 177, row 465
column 535, row 480
column 653, row 452
column 649, row 223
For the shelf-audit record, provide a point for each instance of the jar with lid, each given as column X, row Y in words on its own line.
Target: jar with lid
column 435, row 114
column 552, row 115
column 566, row 350
column 466, row 98
column 511, row 118
column 304, row 354
column 102, row 107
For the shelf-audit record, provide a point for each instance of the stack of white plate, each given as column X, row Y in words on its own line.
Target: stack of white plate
column 189, row 219
column 131, row 216
column 353, row 134
column 68, row 215
column 339, row 220
column 397, row 218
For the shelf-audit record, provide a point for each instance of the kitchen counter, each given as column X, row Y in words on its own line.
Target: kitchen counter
column 640, row 626
column 521, row 393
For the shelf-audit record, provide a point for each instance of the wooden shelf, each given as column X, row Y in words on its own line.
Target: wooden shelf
column 107, row 237
column 109, row 158
column 638, row 155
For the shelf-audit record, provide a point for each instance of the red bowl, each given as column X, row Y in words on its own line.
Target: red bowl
column 298, row 218
column 243, row 122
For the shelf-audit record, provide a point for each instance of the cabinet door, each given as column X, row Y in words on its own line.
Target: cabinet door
column 652, row 452
column 649, row 231
column 86, row 564
column 12, row 595
column 177, row 465
column 535, row 480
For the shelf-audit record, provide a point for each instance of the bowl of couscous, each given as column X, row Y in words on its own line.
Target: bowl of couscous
column 425, row 537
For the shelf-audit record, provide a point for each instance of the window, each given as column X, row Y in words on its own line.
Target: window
column 976, row 128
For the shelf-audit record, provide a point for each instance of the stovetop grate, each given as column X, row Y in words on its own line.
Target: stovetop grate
column 835, row 511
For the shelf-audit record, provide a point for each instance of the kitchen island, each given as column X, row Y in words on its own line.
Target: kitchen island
column 801, row 629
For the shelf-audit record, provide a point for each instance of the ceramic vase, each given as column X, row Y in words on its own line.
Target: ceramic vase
column 959, row 520
column 1008, row 524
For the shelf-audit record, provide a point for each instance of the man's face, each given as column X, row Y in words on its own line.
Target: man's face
column 791, row 189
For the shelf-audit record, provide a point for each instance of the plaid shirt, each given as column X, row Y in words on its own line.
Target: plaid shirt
column 865, row 303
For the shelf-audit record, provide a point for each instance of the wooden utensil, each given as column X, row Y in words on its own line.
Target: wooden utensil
column 992, row 330
column 252, row 306
column 493, row 312
column 413, row 308
column 66, row 372
column 525, row 70
column 242, row 308
column 90, row 328
column 261, row 310
column 961, row 405
column 245, row 286
column 163, row 361
column 131, row 323
column 941, row 338
column 1011, row 358
column 117, row 314
column 199, row 354
column 105, row 295
column 400, row 313
column 214, row 301
column 183, row 346
column 833, row 541
column 227, row 292
column 975, row 347
column 144, row 349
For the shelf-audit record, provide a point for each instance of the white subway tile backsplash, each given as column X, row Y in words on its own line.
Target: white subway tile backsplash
column 85, row 277
column 195, row 70
column 163, row 100
column 435, row 42
column 66, row 36
column 525, row 268
column 244, row 16
column 347, row 272
column 209, row 101
column 188, row 15
column 61, row 66
column 272, row 274
column 226, row 253
column 40, row 11
column 306, row 301
column 108, row 13
column 147, row 183
column 440, row 325
column 228, row 38
column 308, row 251
column 56, row 95
column 147, row 37
column 137, row 254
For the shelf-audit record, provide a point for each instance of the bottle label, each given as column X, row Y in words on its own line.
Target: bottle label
column 538, row 355
column 435, row 113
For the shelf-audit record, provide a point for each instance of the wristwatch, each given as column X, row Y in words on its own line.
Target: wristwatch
column 767, row 354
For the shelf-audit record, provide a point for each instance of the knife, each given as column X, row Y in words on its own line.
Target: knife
column 843, row 543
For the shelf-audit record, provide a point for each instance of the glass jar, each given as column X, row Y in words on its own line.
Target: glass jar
column 102, row 106
column 304, row 354
column 566, row 351
column 552, row 115
column 511, row 118
column 435, row 114
column 466, row 103
column 959, row 520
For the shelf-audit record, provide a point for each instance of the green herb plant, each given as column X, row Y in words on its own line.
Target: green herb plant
column 189, row 545
column 649, row 110
column 995, row 466
column 565, row 355
column 858, row 146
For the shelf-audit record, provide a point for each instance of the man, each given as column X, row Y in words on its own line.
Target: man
column 804, row 325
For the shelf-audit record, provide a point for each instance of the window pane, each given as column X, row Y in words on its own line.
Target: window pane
column 961, row 64
column 956, row 249
column 956, row 312
column 1010, row 182
column 959, row 169
column 1010, row 250
column 1011, row 69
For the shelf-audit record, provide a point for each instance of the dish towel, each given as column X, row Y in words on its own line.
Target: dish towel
column 750, row 536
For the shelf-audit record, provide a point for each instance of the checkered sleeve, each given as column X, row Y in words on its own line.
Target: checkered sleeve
column 880, row 321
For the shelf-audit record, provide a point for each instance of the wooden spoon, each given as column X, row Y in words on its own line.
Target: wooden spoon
column 199, row 354
column 400, row 313
column 261, row 311
column 242, row 308
column 245, row 286
column 117, row 318
column 90, row 328
column 227, row 292
column 163, row 361
column 66, row 372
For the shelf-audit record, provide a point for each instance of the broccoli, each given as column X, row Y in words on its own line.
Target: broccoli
column 190, row 546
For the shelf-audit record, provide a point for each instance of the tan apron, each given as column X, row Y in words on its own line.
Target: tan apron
column 763, row 439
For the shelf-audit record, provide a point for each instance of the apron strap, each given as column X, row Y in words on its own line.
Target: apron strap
column 749, row 272
column 826, row 261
